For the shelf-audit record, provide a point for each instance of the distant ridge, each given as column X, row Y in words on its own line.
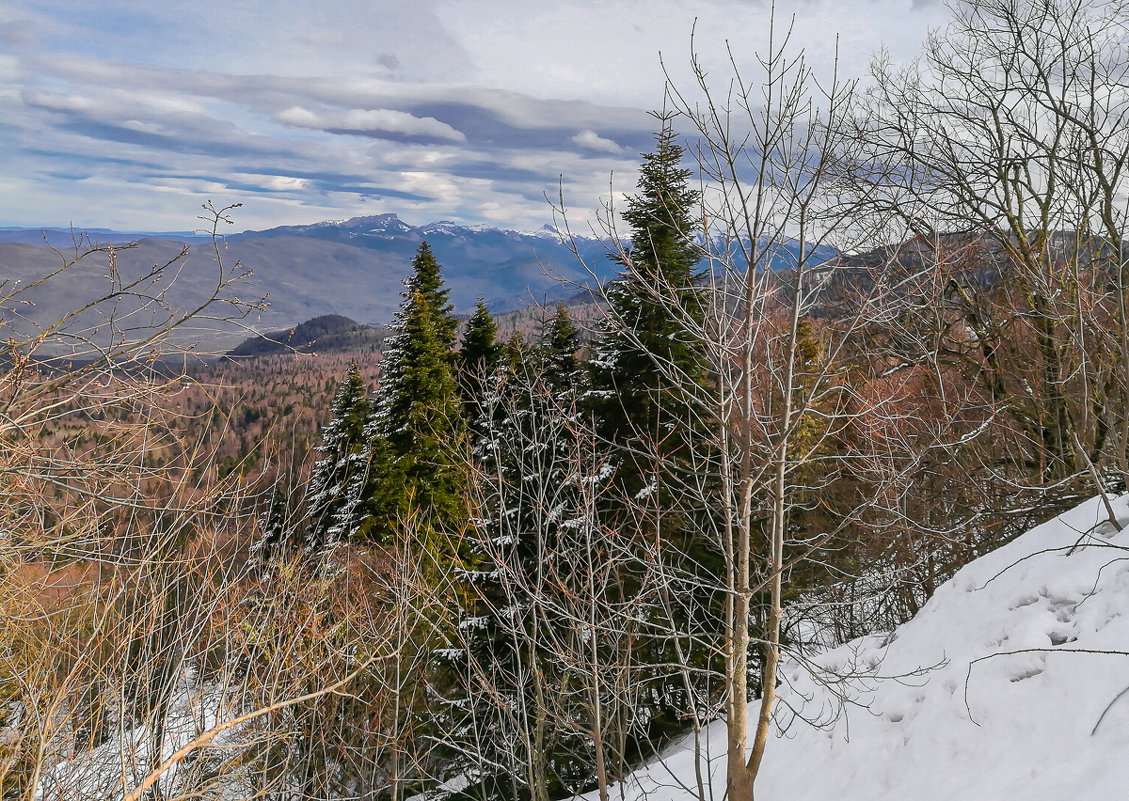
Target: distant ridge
column 353, row 268
column 329, row 333
column 65, row 238
column 391, row 226
column 349, row 268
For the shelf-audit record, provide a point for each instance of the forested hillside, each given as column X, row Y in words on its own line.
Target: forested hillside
column 857, row 338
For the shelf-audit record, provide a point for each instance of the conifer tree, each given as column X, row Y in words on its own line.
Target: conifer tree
column 558, row 346
column 276, row 527
column 332, row 503
column 416, row 429
column 645, row 372
column 477, row 360
column 644, row 358
column 512, row 729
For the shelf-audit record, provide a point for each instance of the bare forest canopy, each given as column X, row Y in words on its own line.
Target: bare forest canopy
column 854, row 337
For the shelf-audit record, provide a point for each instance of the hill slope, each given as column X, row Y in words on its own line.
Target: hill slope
column 986, row 694
column 353, row 268
column 330, row 333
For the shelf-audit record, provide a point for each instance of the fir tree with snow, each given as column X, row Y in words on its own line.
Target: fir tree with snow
column 648, row 378
column 558, row 346
column 476, row 360
column 416, row 430
column 332, row 505
column 533, row 502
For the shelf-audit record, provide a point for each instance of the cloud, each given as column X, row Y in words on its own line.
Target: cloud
column 322, row 38
column 16, row 34
column 143, row 127
column 60, row 102
column 452, row 114
column 116, row 103
column 273, row 183
column 593, row 141
column 390, row 61
column 427, row 151
column 345, row 107
column 372, row 122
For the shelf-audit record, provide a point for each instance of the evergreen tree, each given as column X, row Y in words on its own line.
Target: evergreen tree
column 332, row 504
column 416, row 429
column 477, row 360
column 648, row 364
column 512, row 730
column 647, row 356
column 558, row 346
column 515, row 352
column 276, row 527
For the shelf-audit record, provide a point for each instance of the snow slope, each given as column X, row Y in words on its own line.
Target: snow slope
column 986, row 694
column 99, row 773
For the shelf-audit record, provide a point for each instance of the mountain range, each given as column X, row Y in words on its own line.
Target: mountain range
column 353, row 268
column 505, row 268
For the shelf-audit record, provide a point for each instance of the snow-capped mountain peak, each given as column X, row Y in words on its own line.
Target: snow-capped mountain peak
column 378, row 223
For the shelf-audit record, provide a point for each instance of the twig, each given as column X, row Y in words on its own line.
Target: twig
column 207, row 736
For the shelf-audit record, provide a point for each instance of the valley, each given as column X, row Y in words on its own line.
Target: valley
column 799, row 473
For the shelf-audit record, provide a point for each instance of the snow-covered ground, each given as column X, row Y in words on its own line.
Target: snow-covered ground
column 1012, row 683
column 995, row 691
column 125, row 760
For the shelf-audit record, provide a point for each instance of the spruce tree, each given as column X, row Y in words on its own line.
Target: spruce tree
column 648, row 358
column 476, row 360
column 416, row 429
column 648, row 366
column 558, row 346
column 331, row 504
column 530, row 497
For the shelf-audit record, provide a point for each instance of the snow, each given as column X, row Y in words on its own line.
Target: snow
column 441, row 227
column 1010, row 683
column 994, row 690
column 99, row 773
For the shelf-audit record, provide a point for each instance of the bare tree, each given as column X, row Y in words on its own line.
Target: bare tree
column 798, row 484
column 97, row 505
column 1010, row 133
column 143, row 654
column 1012, row 129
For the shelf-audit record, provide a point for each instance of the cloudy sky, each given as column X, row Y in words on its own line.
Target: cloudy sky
column 131, row 113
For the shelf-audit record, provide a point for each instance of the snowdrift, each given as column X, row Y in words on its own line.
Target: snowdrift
column 1005, row 685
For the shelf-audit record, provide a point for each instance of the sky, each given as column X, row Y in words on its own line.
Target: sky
column 130, row 114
